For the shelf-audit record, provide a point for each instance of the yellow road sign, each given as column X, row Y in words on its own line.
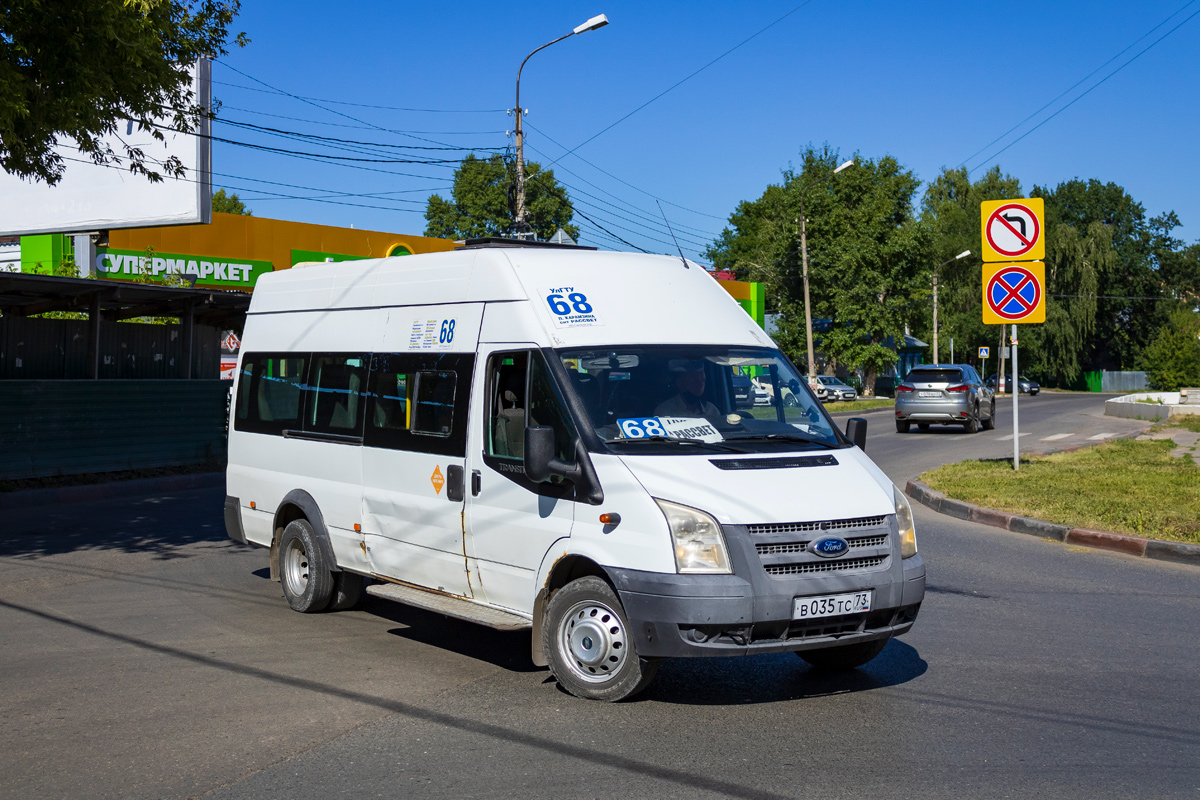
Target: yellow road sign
column 1013, row 230
column 1014, row 293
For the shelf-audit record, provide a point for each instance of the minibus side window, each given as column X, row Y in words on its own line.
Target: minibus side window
column 522, row 393
column 269, row 392
column 334, row 394
column 418, row 402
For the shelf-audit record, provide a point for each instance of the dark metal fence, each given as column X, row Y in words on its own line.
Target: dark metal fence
column 71, row 427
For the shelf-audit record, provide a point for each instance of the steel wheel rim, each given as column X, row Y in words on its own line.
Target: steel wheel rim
column 593, row 641
column 295, row 567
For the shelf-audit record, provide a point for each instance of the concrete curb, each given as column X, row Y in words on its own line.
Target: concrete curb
column 31, row 498
column 1157, row 549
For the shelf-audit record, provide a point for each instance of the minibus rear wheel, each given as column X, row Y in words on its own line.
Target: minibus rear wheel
column 307, row 581
column 839, row 659
column 586, row 639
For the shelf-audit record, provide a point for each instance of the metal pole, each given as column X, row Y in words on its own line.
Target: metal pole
column 1000, row 363
column 812, row 361
column 936, row 359
column 520, row 160
column 952, row 361
column 1016, row 393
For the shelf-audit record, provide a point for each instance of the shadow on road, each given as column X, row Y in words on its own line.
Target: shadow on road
column 161, row 525
column 505, row 649
column 776, row 678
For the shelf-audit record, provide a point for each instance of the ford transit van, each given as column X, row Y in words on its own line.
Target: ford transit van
column 552, row 439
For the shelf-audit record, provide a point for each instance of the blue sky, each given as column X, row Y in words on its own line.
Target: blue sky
column 929, row 84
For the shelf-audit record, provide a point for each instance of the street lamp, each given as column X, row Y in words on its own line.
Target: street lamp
column 963, row 254
column 591, row 25
column 812, row 362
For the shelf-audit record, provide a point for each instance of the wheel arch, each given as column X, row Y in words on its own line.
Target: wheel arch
column 565, row 568
column 299, row 504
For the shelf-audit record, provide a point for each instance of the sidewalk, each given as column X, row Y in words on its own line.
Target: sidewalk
column 1185, row 440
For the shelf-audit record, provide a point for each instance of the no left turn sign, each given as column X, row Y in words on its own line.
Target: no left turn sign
column 1013, row 229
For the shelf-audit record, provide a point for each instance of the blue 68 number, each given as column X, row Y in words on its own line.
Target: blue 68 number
column 575, row 301
column 446, row 336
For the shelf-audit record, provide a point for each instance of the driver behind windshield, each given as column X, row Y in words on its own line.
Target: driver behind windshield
column 689, row 398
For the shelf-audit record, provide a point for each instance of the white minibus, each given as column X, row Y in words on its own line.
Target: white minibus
column 547, row 438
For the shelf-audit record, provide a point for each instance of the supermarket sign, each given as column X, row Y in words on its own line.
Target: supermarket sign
column 129, row 264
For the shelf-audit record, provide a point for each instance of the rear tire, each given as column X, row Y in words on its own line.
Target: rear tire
column 902, row 427
column 990, row 422
column 306, row 579
column 588, row 643
column 846, row 657
column 347, row 591
column 972, row 423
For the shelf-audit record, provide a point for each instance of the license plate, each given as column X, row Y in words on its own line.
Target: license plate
column 929, row 394
column 832, row 605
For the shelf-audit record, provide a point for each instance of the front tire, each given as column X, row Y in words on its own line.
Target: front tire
column 589, row 646
column 306, row 579
column 846, row 657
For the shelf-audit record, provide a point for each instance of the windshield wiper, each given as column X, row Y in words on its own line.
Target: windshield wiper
column 786, row 437
column 675, row 440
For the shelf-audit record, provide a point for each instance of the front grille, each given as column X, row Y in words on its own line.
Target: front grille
column 773, row 463
column 809, row 527
column 869, row 562
column 800, row 547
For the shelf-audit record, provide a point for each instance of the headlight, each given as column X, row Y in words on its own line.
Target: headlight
column 699, row 543
column 904, row 519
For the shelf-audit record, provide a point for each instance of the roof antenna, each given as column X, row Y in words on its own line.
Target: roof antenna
column 673, row 239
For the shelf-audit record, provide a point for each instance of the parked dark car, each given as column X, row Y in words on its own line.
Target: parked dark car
column 1028, row 387
column 947, row 394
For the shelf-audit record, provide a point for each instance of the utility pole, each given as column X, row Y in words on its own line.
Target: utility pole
column 812, row 361
column 591, row 25
column 936, row 270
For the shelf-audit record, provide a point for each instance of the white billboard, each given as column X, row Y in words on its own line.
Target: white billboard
column 95, row 198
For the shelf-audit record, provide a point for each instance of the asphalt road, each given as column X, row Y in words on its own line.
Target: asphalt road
column 143, row 655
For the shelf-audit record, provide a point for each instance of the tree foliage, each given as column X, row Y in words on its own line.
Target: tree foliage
column 866, row 255
column 229, row 204
column 1173, row 358
column 75, row 70
column 483, row 199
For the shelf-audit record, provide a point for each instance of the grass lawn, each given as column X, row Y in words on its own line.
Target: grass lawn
column 860, row 405
column 1123, row 486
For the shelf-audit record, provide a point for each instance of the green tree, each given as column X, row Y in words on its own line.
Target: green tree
column 1172, row 359
column 482, row 201
column 1129, row 312
column 229, row 204
column 867, row 254
column 74, row 70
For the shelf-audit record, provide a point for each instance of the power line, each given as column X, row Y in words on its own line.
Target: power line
column 610, row 233
column 273, row 90
column 226, row 106
column 1072, row 86
column 316, row 137
column 1085, row 93
column 614, row 177
column 683, row 81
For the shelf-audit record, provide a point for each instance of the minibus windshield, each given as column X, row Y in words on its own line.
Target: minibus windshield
column 748, row 398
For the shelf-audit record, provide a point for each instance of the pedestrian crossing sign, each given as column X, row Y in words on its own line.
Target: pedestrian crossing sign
column 984, row 352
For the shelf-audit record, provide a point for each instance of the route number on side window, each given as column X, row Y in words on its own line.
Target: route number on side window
column 446, row 335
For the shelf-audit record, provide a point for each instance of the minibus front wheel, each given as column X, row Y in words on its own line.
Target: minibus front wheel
column 307, row 581
column 587, row 641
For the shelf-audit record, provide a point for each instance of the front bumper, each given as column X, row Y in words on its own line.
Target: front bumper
column 750, row 612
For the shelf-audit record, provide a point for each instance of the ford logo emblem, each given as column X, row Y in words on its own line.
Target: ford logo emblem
column 829, row 547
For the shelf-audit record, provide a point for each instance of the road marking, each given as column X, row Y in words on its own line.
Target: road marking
column 1056, row 437
column 1009, row 437
column 1101, row 436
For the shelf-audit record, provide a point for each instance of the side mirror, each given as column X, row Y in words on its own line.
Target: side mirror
column 856, row 431
column 539, row 453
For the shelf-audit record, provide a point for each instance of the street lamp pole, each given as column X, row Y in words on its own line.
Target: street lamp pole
column 591, row 25
column 812, row 361
column 936, row 270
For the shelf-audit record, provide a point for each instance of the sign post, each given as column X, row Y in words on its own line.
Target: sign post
column 1012, row 231
column 1016, row 396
